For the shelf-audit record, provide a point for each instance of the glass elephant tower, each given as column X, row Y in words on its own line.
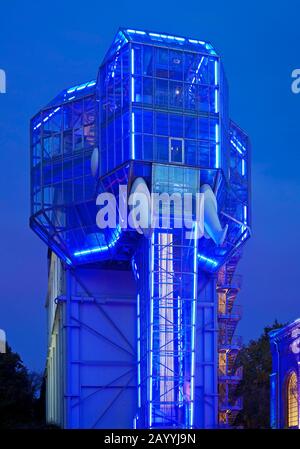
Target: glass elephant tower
column 141, row 328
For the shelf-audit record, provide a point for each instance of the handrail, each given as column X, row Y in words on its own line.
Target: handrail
column 236, row 340
column 225, row 311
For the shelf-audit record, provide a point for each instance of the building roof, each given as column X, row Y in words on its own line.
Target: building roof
column 125, row 35
column 74, row 92
column 283, row 330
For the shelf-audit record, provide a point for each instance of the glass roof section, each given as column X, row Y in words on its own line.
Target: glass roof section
column 74, row 93
column 125, row 35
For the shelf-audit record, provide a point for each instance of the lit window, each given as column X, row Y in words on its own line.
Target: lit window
column 292, row 401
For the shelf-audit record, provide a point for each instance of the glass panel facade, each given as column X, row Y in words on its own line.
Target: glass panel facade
column 62, row 141
column 153, row 94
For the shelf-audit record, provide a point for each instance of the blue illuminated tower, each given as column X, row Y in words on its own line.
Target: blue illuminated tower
column 142, row 326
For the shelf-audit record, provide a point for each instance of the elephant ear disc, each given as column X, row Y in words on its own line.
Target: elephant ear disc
column 212, row 225
column 95, row 163
column 139, row 187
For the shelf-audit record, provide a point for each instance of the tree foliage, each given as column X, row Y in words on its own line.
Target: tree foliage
column 20, row 403
column 256, row 360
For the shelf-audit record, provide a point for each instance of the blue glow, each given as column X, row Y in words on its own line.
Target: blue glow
column 245, row 214
column 244, row 227
column 212, row 262
column 139, row 349
column 81, row 87
column 216, row 101
column 45, row 119
column 132, row 136
column 136, row 32
column 103, row 248
column 98, row 249
column 217, row 146
column 210, row 48
column 237, row 145
column 151, row 330
column 216, row 73
column 193, row 337
column 132, row 77
column 194, row 41
column 243, row 167
column 169, row 37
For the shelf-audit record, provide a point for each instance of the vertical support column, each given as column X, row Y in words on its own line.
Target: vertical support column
column 68, row 351
column 273, row 401
column 218, row 156
column 207, row 357
column 167, row 292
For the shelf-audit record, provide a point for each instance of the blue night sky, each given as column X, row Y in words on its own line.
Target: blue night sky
column 48, row 46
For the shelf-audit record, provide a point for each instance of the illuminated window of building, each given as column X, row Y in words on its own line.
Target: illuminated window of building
column 292, row 401
column 222, row 303
column 222, row 418
column 222, row 363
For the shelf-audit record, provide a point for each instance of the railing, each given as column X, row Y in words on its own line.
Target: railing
column 230, row 313
column 235, row 341
column 227, row 281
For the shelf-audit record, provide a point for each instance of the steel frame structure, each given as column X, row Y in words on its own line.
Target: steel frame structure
column 162, row 355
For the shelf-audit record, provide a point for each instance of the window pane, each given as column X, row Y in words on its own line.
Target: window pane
column 190, row 96
column 203, row 104
column 138, row 121
column 137, row 89
column 161, row 63
column 203, row 129
column 138, row 146
column 137, row 68
column 161, row 93
column 176, row 125
column 148, row 91
column 190, row 149
column 190, row 127
column 148, row 122
column 176, row 65
column 148, row 147
column 148, row 61
column 162, row 124
column 176, row 94
column 204, row 154
column 162, row 147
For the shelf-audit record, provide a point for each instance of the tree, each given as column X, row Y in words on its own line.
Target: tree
column 19, row 398
column 256, row 360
